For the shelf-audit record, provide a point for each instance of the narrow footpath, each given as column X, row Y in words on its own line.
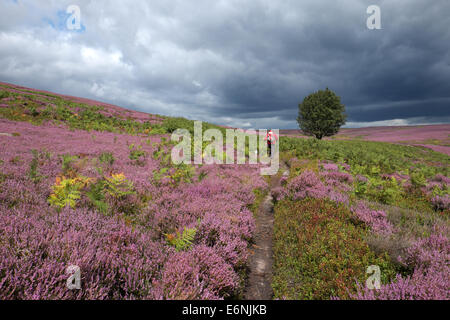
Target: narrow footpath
column 261, row 253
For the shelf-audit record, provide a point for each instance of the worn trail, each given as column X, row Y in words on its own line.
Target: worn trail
column 261, row 259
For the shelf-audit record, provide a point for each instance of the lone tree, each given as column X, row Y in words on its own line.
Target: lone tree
column 321, row 114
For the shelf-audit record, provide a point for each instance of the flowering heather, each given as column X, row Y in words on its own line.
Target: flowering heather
column 279, row 193
column 430, row 280
column 361, row 178
column 441, row 202
column 116, row 232
column 330, row 167
column 197, row 274
column 437, row 148
column 375, row 219
column 340, row 180
column 308, row 184
column 421, row 285
column 431, row 251
column 437, row 189
column 332, row 184
column 338, row 197
column 400, row 133
column 345, row 166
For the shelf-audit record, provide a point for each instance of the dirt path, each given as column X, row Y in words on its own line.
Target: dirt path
column 261, row 258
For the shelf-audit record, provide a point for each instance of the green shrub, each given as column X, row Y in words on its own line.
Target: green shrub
column 319, row 252
column 107, row 158
column 63, row 113
column 360, row 188
column 260, row 194
column 33, row 171
column 172, row 124
column 367, row 157
column 418, row 179
column 4, row 94
column 391, row 191
column 67, row 163
column 66, row 192
column 182, row 241
column 321, row 114
column 38, row 156
column 118, row 186
column 136, row 152
column 33, row 111
column 158, row 130
column 388, row 191
column 202, row 176
column 183, row 173
column 97, row 197
column 176, row 175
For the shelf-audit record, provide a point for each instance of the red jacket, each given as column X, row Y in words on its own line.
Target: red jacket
column 271, row 137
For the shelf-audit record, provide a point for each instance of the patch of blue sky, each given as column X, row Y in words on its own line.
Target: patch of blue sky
column 61, row 22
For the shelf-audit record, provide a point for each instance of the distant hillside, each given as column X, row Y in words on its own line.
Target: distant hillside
column 113, row 109
column 435, row 137
column 19, row 103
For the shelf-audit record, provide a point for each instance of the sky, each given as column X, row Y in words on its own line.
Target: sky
column 240, row 63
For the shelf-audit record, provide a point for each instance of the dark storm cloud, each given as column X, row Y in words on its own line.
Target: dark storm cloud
column 434, row 109
column 238, row 63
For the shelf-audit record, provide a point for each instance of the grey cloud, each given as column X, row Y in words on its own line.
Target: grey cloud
column 237, row 63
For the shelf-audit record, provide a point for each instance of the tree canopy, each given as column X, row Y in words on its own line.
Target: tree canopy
column 321, row 114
